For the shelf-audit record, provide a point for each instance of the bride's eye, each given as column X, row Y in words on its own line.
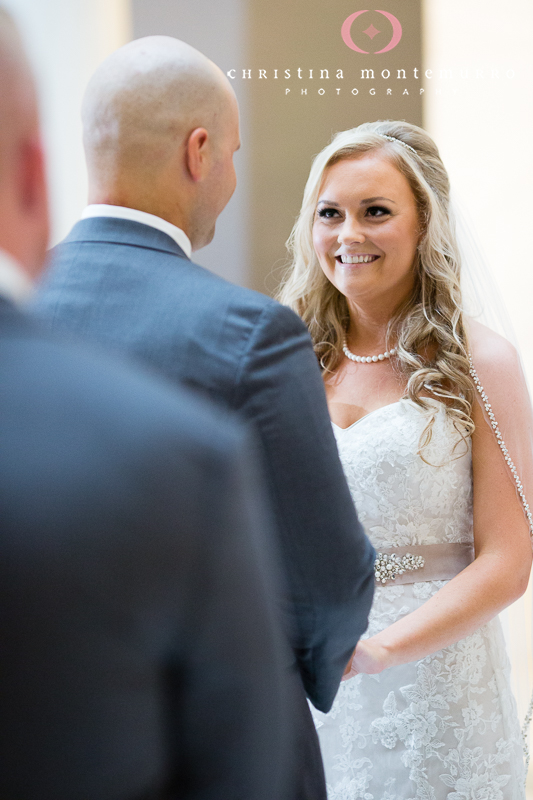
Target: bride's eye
column 327, row 213
column 377, row 211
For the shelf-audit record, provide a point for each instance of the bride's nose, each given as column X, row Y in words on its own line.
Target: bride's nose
column 351, row 233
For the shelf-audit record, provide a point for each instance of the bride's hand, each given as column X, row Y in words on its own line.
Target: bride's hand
column 368, row 658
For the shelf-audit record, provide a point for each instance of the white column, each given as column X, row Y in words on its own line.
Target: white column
column 66, row 40
column 482, row 120
column 481, row 117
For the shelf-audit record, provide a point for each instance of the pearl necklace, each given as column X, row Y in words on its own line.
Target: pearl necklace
column 366, row 359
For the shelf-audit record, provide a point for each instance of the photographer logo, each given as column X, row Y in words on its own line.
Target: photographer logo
column 371, row 31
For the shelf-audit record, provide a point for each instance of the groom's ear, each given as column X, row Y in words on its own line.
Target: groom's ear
column 197, row 151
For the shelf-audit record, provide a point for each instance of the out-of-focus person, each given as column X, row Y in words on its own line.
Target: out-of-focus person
column 160, row 129
column 141, row 652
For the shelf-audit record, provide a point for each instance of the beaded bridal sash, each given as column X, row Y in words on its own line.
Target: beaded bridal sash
column 424, row 562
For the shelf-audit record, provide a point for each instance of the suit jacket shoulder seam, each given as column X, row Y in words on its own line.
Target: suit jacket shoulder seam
column 263, row 320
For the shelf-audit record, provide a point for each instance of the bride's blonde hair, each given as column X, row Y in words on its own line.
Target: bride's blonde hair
column 432, row 319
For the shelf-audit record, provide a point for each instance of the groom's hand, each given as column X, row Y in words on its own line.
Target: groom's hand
column 368, row 658
column 349, row 672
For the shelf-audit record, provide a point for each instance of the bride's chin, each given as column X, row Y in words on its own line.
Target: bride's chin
column 355, row 290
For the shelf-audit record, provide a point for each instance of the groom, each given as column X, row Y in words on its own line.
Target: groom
column 160, row 130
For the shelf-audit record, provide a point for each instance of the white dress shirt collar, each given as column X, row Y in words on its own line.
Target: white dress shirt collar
column 15, row 285
column 133, row 214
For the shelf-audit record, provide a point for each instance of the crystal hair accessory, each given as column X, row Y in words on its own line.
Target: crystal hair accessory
column 366, row 359
column 394, row 139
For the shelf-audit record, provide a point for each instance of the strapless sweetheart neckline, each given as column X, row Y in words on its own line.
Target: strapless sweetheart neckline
column 383, row 408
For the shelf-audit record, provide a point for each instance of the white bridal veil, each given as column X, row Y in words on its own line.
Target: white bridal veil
column 507, row 406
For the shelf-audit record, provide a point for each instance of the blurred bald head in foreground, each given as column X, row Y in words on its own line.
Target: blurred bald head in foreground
column 23, row 200
column 160, row 128
column 142, row 657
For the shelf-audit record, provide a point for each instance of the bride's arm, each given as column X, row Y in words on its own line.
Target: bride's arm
column 500, row 571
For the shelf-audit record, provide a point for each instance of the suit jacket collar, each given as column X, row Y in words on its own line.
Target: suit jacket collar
column 112, row 230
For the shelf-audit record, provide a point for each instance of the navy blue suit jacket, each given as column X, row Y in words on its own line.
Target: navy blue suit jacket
column 140, row 651
column 130, row 287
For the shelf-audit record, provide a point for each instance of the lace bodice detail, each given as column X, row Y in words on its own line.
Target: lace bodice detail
column 444, row 727
column 401, row 498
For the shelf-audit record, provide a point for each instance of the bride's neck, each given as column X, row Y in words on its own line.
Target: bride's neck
column 368, row 325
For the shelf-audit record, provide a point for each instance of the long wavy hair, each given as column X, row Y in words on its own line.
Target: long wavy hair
column 428, row 329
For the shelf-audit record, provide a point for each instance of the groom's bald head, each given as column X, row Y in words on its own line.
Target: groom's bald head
column 146, row 97
column 139, row 110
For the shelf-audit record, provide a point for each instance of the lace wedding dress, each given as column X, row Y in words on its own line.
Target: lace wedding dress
column 445, row 726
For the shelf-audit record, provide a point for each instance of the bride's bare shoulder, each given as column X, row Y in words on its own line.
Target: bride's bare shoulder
column 489, row 350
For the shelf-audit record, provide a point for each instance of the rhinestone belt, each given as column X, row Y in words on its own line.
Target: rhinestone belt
column 423, row 562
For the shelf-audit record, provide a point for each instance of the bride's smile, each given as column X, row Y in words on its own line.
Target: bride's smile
column 360, row 259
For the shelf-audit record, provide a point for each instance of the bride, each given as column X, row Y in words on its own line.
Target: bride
column 432, row 421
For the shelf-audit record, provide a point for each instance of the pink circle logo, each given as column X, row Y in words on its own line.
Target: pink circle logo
column 371, row 32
